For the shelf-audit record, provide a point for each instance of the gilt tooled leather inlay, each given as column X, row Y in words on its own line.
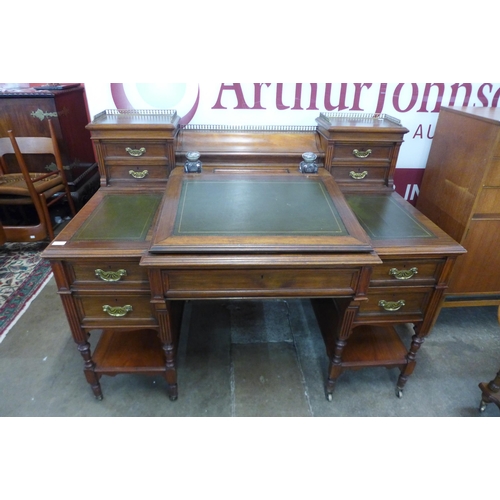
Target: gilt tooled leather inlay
column 383, row 218
column 120, row 217
column 257, row 207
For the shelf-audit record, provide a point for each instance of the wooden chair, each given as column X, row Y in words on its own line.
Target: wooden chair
column 29, row 188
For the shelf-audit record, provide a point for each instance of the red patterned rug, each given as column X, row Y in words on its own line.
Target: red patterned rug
column 23, row 274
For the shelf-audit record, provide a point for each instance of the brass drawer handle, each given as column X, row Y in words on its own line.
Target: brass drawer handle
column 110, row 275
column 135, row 152
column 118, row 311
column 404, row 274
column 391, row 306
column 138, row 175
column 361, row 154
column 358, row 175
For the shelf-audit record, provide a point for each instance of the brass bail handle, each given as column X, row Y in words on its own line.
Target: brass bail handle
column 135, row 152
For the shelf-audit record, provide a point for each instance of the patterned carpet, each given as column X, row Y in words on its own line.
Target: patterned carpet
column 23, row 274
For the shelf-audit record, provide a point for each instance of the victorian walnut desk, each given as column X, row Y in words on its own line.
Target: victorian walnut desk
column 256, row 220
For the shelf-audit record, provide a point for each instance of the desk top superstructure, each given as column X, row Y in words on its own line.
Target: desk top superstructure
column 249, row 224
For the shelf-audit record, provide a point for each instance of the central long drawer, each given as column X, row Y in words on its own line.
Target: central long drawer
column 257, row 282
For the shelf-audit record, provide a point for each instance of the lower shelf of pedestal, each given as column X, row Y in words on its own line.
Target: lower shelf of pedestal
column 129, row 351
column 370, row 345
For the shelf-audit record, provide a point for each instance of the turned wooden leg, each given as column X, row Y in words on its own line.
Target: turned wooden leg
column 169, row 319
column 335, row 368
column 416, row 343
column 170, row 372
column 88, row 370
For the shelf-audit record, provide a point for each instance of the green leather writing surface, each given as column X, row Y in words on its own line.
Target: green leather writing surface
column 257, row 207
column 120, row 217
column 382, row 218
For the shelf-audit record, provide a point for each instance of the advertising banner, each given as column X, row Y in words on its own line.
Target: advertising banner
column 416, row 105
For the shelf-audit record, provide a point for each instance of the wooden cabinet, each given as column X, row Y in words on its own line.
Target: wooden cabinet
column 250, row 225
column 136, row 147
column 361, row 151
column 460, row 192
column 26, row 111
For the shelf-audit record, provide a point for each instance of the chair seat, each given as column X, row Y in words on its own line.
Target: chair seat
column 14, row 184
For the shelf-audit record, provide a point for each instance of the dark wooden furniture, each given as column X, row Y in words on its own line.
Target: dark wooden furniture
column 460, row 192
column 26, row 111
column 491, row 390
column 250, row 224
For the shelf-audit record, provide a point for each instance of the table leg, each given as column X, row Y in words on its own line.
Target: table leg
column 170, row 319
column 335, row 368
column 338, row 317
column 88, row 369
column 416, row 342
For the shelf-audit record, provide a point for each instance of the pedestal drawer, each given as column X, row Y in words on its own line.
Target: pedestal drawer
column 104, row 310
column 393, row 304
column 106, row 275
column 406, row 272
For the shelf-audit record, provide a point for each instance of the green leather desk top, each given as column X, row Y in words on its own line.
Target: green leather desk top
column 256, row 212
column 120, row 217
column 384, row 219
column 257, row 207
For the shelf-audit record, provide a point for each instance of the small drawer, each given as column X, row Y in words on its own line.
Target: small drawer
column 406, row 273
column 360, row 174
column 362, row 153
column 251, row 283
column 108, row 274
column 132, row 151
column 488, row 201
column 138, row 174
column 115, row 309
column 392, row 304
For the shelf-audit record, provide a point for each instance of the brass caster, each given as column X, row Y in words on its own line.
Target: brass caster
column 99, row 398
column 482, row 406
column 329, row 396
column 173, row 398
column 399, row 392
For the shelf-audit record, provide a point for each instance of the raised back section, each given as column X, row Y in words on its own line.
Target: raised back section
column 274, row 147
column 141, row 147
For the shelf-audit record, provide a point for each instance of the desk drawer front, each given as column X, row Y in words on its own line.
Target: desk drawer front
column 138, row 174
column 132, row 151
column 117, row 273
column 364, row 153
column 115, row 309
column 406, row 273
column 390, row 304
column 213, row 283
column 360, row 175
